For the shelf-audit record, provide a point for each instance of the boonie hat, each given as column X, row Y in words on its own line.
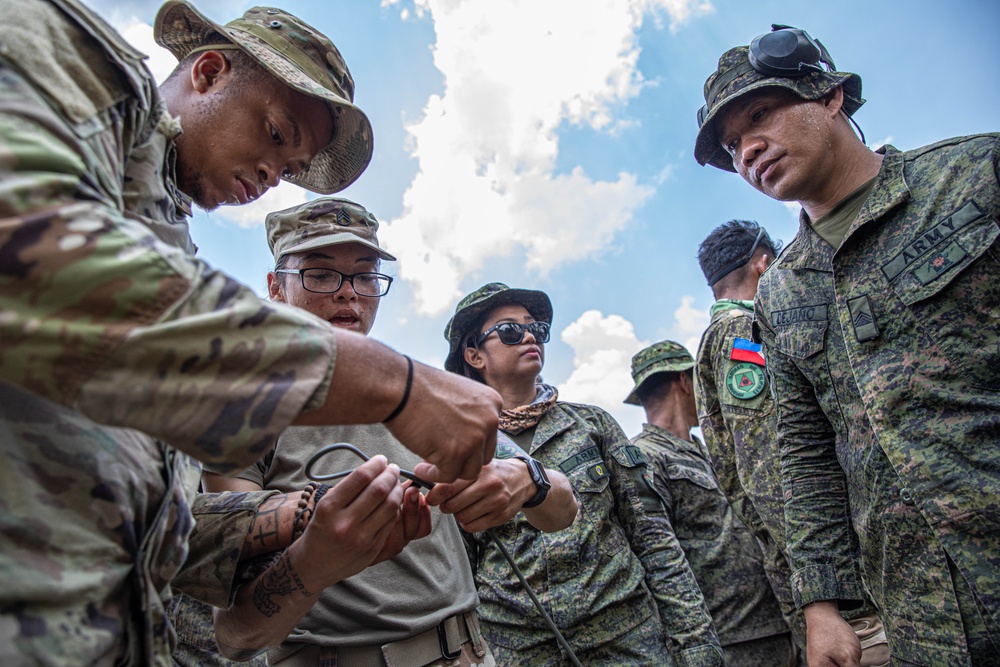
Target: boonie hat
column 320, row 223
column 663, row 357
column 298, row 55
column 735, row 77
column 480, row 302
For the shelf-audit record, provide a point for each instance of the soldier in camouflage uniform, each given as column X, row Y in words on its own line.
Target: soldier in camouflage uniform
column 611, row 578
column 115, row 340
column 879, row 324
column 721, row 551
column 738, row 421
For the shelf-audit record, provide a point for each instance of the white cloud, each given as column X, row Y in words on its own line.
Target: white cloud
column 689, row 324
column 514, row 72
column 161, row 63
column 602, row 356
column 284, row 196
column 140, row 35
column 793, row 208
column 885, row 142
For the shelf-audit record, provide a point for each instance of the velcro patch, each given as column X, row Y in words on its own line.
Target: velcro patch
column 817, row 313
column 939, row 262
column 635, row 456
column 929, row 239
column 578, row 459
column 599, row 471
column 865, row 327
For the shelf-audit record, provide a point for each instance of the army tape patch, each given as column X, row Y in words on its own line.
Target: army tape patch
column 745, row 380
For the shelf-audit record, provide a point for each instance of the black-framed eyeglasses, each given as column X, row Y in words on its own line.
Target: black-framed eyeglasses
column 512, row 333
column 328, row 281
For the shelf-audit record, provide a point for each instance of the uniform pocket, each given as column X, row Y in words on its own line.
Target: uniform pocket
column 953, row 292
column 591, row 483
column 698, row 502
column 801, row 341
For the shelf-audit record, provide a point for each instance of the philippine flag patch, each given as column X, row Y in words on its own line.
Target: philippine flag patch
column 746, row 350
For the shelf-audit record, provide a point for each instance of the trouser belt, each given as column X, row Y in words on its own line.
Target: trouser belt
column 444, row 640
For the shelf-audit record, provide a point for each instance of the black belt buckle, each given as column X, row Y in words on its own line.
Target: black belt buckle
column 443, row 643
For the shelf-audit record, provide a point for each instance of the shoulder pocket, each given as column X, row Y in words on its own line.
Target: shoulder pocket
column 697, row 477
column 953, row 292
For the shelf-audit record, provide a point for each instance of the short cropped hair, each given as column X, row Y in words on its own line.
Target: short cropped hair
column 658, row 385
column 729, row 243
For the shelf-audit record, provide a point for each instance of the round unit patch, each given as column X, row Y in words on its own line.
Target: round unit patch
column 745, row 380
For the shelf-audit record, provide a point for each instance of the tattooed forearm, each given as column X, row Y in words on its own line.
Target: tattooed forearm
column 280, row 579
column 271, row 528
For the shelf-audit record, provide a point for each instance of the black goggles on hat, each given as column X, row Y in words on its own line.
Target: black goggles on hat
column 785, row 51
column 512, row 333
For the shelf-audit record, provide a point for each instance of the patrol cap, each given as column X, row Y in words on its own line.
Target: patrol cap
column 300, row 56
column 663, row 357
column 320, row 223
column 483, row 300
column 736, row 77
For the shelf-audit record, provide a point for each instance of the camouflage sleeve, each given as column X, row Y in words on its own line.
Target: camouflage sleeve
column 100, row 315
column 222, row 521
column 688, row 627
column 710, row 377
column 817, row 523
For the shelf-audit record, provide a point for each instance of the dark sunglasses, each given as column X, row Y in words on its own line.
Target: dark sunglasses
column 512, row 333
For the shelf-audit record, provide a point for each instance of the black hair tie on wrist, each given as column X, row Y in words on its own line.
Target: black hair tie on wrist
column 406, row 392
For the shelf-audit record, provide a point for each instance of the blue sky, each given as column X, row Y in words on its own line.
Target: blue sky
column 548, row 144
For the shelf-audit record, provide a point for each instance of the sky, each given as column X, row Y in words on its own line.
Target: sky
column 547, row 144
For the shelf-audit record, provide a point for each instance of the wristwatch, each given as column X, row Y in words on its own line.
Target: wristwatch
column 540, row 479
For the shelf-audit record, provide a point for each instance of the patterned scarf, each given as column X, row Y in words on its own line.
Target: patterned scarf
column 519, row 419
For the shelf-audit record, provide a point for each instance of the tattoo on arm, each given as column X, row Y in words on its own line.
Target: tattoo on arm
column 280, row 579
column 267, row 532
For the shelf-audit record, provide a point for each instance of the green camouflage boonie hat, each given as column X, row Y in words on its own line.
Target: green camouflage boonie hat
column 475, row 305
column 320, row 223
column 735, row 77
column 301, row 57
column 664, row 357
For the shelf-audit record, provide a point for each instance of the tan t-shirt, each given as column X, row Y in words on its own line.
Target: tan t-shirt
column 396, row 599
column 833, row 226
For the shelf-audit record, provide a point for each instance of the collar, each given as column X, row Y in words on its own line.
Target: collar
column 655, row 432
column 809, row 251
column 723, row 305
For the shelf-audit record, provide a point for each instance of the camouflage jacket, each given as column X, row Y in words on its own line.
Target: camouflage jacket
column 114, row 339
column 883, row 357
column 592, row 577
column 723, row 555
column 740, row 432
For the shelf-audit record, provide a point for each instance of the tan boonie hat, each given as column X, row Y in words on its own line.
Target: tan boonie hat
column 478, row 303
column 298, row 55
column 736, row 77
column 664, row 357
column 320, row 223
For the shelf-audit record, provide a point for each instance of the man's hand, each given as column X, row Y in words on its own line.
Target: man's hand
column 414, row 522
column 448, row 420
column 451, row 422
column 350, row 525
column 492, row 499
column 500, row 491
column 830, row 641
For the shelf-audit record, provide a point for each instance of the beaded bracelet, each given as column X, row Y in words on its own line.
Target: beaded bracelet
column 301, row 518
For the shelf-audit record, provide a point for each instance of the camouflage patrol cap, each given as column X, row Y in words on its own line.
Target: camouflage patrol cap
column 736, row 77
column 663, row 357
column 320, row 223
column 483, row 300
column 300, row 56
